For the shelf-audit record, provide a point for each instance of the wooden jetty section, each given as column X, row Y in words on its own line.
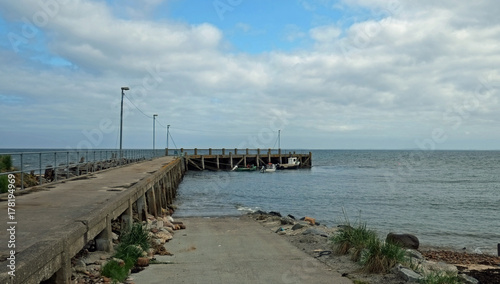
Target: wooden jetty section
column 227, row 159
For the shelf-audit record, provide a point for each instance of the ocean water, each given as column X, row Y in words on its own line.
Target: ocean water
column 446, row 198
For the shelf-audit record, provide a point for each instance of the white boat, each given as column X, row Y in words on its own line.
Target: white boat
column 268, row 168
column 293, row 163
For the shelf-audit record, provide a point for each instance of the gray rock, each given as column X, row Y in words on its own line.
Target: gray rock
column 312, row 231
column 407, row 274
column 467, row 279
column 414, row 254
column 404, row 240
column 287, row 221
column 297, row 226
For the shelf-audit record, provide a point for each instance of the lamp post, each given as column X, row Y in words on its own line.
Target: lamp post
column 279, row 139
column 154, row 123
column 168, row 132
column 121, row 120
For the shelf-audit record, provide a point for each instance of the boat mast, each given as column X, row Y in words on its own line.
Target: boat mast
column 279, row 139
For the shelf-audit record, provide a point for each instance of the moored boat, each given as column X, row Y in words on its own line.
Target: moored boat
column 268, row 168
column 293, row 163
column 248, row 168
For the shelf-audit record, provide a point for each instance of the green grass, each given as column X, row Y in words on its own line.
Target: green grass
column 364, row 245
column 133, row 243
column 441, row 278
column 380, row 257
column 5, row 166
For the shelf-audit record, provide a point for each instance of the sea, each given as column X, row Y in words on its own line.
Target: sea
column 448, row 199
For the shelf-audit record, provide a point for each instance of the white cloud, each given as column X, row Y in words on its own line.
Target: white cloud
column 423, row 66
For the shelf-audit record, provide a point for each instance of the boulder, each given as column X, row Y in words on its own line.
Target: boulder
column 404, row 240
column 312, row 231
column 297, row 226
column 273, row 213
column 406, row 274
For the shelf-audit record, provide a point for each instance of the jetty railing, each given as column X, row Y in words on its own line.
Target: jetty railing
column 233, row 151
column 227, row 159
column 36, row 168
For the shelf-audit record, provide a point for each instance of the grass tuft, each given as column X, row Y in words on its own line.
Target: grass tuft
column 442, row 277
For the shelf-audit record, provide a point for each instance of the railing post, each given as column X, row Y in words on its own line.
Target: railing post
column 22, row 169
column 55, row 166
column 210, row 151
column 247, row 151
column 67, row 165
column 196, row 151
column 40, row 167
column 236, row 151
column 223, row 151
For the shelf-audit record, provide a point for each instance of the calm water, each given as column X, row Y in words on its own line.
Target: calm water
column 446, row 198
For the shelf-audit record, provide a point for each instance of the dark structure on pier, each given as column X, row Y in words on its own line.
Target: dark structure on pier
column 227, row 159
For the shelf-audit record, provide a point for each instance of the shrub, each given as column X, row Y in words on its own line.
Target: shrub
column 356, row 238
column 136, row 235
column 379, row 257
column 133, row 243
column 115, row 271
column 4, row 184
column 5, row 163
column 441, row 278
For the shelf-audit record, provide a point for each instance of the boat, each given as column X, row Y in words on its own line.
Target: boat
column 248, row 168
column 268, row 168
column 293, row 163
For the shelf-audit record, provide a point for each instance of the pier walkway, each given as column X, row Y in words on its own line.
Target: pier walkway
column 57, row 220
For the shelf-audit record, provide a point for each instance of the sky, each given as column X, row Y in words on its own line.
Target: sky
column 318, row 74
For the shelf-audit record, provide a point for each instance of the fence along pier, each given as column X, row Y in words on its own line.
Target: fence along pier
column 227, row 159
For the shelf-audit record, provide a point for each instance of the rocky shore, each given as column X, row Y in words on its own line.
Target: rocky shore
column 312, row 238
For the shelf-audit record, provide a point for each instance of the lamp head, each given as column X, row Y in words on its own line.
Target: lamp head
column 125, row 88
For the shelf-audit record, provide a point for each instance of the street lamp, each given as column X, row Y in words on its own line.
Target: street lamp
column 168, row 132
column 154, row 120
column 121, row 119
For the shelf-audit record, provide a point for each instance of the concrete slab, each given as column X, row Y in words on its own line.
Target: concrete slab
column 234, row 250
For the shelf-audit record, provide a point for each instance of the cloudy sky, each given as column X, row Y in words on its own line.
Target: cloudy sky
column 344, row 74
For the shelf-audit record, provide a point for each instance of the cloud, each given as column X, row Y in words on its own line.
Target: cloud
column 400, row 71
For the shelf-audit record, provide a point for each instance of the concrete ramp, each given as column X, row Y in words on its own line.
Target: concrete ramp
column 234, row 250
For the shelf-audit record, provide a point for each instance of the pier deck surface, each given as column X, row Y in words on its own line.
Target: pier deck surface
column 42, row 214
column 234, row 250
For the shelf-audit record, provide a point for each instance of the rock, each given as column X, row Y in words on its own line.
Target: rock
column 273, row 213
column 80, row 266
column 142, row 261
column 414, row 254
column 159, row 224
column 291, row 216
column 312, row 221
column 287, row 221
column 404, row 240
column 312, row 231
column 429, row 266
column 114, row 236
column 406, row 274
column 467, row 279
column 297, row 226
column 164, row 236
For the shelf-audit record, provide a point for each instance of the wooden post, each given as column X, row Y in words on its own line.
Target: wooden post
column 166, row 151
column 210, row 151
column 218, row 162
column 223, row 151
column 202, row 162
column 279, row 153
column 247, row 151
column 236, row 151
column 196, row 151
column 245, row 160
column 231, row 158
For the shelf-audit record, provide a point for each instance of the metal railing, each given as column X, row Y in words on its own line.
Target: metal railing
column 50, row 166
column 234, row 151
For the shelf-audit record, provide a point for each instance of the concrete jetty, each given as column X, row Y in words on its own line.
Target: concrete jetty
column 55, row 221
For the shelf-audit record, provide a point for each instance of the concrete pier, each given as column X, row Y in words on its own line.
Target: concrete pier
column 55, row 221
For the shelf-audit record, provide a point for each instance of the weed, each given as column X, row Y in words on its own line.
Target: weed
column 379, row 257
column 115, row 270
column 441, row 278
column 137, row 235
